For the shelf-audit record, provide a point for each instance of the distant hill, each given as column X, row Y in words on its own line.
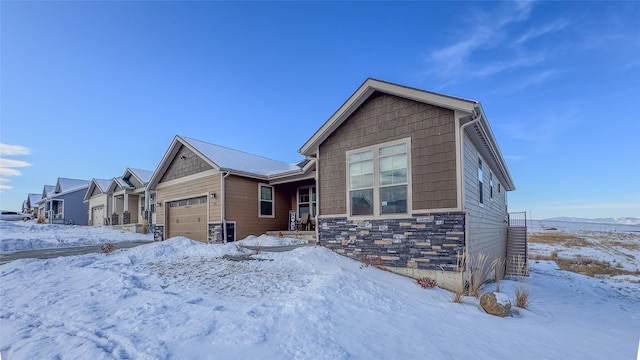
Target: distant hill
column 620, row 221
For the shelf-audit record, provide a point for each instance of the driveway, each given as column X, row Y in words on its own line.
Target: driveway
column 8, row 256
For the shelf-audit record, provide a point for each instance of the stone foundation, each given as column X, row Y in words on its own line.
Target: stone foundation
column 216, row 236
column 126, row 218
column 114, row 219
column 431, row 242
column 158, row 233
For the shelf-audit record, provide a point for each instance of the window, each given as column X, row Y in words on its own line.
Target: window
column 491, row 186
column 265, row 205
column 307, row 201
column 480, row 192
column 378, row 179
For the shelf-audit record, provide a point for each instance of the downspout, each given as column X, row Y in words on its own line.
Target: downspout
column 476, row 116
column 222, row 207
column 317, row 175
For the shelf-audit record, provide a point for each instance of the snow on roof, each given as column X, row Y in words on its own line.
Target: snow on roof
column 34, row 198
column 103, row 184
column 66, row 184
column 143, row 175
column 231, row 159
column 48, row 190
column 122, row 183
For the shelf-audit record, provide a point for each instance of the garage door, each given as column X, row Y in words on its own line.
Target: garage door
column 97, row 216
column 188, row 218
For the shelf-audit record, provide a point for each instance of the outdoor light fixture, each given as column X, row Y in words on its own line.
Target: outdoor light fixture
column 182, row 157
column 213, row 195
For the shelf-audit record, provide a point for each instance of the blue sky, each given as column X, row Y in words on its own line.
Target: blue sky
column 91, row 88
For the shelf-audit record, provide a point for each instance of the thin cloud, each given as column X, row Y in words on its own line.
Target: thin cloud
column 528, row 81
column 541, row 31
column 489, row 31
column 6, row 149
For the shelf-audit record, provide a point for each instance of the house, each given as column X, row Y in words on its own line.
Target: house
column 412, row 179
column 215, row 194
column 97, row 199
column 65, row 204
column 130, row 199
column 47, row 191
column 31, row 204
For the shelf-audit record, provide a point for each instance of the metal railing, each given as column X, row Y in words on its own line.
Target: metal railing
column 518, row 219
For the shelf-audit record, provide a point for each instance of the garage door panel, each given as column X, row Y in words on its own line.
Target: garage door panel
column 188, row 218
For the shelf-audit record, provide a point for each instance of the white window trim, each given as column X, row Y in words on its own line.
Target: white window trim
column 273, row 201
column 311, row 201
column 376, row 181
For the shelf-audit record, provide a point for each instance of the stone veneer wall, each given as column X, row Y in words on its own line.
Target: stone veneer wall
column 425, row 242
column 216, row 235
column 126, row 218
column 158, row 233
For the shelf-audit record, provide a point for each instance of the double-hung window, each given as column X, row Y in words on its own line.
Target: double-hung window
column 265, row 201
column 307, row 201
column 378, row 179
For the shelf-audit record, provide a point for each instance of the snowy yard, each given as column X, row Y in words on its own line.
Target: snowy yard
column 184, row 299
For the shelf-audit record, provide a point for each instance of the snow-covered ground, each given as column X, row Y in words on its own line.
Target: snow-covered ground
column 618, row 245
column 184, row 299
column 29, row 235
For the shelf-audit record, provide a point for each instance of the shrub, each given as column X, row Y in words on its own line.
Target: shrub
column 107, row 248
column 522, row 297
column 457, row 295
column 426, row 283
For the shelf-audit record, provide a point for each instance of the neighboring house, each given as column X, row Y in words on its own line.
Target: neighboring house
column 412, row 179
column 65, row 204
column 130, row 200
column 215, row 194
column 97, row 199
column 31, row 204
column 47, row 191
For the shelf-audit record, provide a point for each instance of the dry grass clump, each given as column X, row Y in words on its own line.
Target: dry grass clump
column 591, row 267
column 522, row 297
column 558, row 238
column 457, row 295
column 41, row 218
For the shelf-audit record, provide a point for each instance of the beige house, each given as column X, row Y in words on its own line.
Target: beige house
column 411, row 178
column 215, row 194
column 97, row 199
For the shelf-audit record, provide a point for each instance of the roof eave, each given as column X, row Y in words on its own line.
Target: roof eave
column 364, row 92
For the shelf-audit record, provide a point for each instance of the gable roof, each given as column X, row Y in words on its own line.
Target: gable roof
column 142, row 175
column 225, row 159
column 33, row 199
column 118, row 182
column 483, row 136
column 65, row 185
column 100, row 184
column 47, row 191
column 367, row 89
